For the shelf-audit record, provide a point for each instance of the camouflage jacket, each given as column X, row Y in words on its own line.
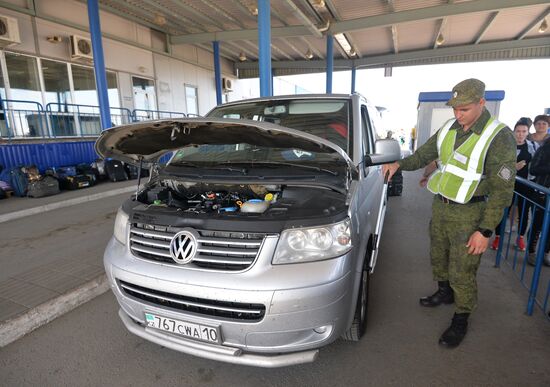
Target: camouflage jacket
column 499, row 169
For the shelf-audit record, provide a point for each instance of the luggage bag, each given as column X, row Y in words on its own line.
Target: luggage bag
column 46, row 186
column 19, row 181
column 115, row 170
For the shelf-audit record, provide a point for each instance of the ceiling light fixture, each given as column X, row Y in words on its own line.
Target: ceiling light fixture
column 254, row 11
column 242, row 56
column 309, row 54
column 440, row 39
column 543, row 26
column 319, row 3
column 352, row 52
column 159, row 20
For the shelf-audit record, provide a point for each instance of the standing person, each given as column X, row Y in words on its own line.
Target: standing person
column 540, row 168
column 525, row 150
column 474, row 182
column 541, row 129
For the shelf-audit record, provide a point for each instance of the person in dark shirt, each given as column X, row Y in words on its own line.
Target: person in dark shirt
column 525, row 150
column 540, row 168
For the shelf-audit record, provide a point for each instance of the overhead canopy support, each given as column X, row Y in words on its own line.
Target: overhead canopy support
column 264, row 36
column 353, row 74
column 385, row 20
column 217, row 72
column 540, row 47
column 99, row 64
column 330, row 62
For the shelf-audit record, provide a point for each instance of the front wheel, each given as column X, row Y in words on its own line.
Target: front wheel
column 359, row 324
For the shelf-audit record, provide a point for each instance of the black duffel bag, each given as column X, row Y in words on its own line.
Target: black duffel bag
column 46, row 186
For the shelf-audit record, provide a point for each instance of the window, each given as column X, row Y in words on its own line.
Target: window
column 144, row 94
column 192, row 100
column 56, row 85
column 112, row 89
column 23, row 77
column 24, row 83
column 84, row 87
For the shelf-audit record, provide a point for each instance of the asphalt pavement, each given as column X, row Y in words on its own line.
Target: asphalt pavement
column 504, row 347
column 52, row 251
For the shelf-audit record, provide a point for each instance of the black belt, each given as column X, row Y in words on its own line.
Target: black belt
column 474, row 199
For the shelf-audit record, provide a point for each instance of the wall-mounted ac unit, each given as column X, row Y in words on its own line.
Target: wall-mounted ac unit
column 227, row 84
column 9, row 31
column 81, row 48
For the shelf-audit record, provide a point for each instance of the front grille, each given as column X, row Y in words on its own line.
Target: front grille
column 216, row 250
column 235, row 311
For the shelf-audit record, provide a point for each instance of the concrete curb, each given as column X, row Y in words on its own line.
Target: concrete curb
column 65, row 203
column 19, row 326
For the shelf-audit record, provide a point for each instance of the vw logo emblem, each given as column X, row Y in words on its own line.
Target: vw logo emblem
column 183, row 247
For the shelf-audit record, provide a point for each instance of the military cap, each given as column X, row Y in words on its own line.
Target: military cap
column 466, row 92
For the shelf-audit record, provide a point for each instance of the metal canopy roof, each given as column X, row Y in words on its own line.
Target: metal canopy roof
column 368, row 33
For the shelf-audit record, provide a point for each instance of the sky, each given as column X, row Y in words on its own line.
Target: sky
column 526, row 85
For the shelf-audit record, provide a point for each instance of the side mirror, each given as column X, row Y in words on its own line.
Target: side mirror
column 385, row 151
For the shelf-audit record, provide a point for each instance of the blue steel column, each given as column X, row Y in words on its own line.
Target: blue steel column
column 330, row 62
column 540, row 256
column 264, row 37
column 353, row 71
column 217, row 72
column 99, row 64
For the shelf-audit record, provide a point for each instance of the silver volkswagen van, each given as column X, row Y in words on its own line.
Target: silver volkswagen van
column 253, row 244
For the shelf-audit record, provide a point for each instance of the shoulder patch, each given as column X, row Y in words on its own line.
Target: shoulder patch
column 505, row 173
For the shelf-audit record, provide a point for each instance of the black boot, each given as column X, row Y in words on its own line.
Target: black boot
column 444, row 295
column 453, row 336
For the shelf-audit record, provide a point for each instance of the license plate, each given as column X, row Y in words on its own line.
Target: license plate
column 84, row 184
column 183, row 328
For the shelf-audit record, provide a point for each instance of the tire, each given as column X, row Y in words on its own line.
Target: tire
column 359, row 324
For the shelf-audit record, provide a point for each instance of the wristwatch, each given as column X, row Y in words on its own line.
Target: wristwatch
column 485, row 232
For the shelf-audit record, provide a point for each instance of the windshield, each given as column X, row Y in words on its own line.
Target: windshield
column 325, row 118
column 243, row 153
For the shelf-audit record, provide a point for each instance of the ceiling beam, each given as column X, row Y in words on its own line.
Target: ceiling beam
column 486, row 26
column 251, row 34
column 307, row 22
column 381, row 60
column 436, row 12
column 533, row 24
column 384, row 20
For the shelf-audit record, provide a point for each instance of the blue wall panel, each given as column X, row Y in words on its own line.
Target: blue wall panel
column 55, row 154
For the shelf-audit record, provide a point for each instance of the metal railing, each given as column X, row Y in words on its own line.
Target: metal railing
column 68, row 119
column 148, row 115
column 28, row 119
column 534, row 203
column 21, row 118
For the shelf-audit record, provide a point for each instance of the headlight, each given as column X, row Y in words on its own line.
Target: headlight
column 121, row 226
column 313, row 244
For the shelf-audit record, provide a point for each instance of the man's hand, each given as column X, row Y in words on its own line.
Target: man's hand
column 520, row 164
column 477, row 244
column 390, row 169
column 424, row 181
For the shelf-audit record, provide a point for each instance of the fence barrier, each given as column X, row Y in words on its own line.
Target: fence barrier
column 532, row 205
column 147, row 115
column 28, row 119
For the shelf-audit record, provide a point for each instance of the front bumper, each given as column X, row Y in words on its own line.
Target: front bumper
column 303, row 311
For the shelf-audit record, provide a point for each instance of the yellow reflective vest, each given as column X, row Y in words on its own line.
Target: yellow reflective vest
column 460, row 170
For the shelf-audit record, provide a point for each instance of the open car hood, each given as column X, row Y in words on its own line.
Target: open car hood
column 148, row 141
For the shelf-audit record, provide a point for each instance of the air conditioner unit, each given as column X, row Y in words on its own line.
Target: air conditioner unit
column 227, row 84
column 81, row 48
column 9, row 31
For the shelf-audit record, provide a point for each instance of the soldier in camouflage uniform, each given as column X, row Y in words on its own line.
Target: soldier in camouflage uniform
column 468, row 203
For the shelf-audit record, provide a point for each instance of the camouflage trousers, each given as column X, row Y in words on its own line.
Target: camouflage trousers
column 450, row 228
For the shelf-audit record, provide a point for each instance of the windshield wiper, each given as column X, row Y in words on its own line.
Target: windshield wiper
column 184, row 164
column 276, row 163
